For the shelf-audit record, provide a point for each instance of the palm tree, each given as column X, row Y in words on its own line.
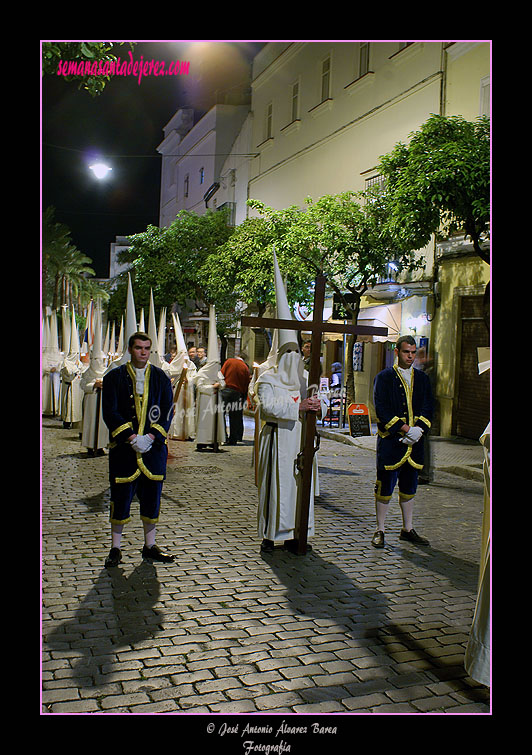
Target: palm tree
column 65, row 269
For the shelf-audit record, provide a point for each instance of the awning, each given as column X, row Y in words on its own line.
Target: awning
column 387, row 316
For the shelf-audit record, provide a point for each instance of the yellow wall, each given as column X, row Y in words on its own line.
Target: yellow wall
column 459, row 277
column 335, row 146
column 468, row 65
column 463, row 79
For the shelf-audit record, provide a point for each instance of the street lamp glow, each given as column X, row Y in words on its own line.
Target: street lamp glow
column 100, row 170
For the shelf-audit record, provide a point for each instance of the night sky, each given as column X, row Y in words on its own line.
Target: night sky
column 123, row 125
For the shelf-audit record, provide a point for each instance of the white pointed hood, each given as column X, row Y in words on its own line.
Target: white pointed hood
column 65, row 325
column 127, row 332
column 209, row 371
column 179, row 337
column 51, row 356
column 161, row 333
column 287, row 372
column 46, row 333
column 106, row 342
column 72, row 361
column 213, row 353
column 130, row 326
column 97, row 354
column 287, row 339
column 97, row 351
column 74, row 338
column 155, row 357
column 88, row 335
column 181, row 358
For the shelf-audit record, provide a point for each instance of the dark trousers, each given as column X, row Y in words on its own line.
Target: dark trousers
column 233, row 402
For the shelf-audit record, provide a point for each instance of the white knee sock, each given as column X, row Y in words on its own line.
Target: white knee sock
column 407, row 510
column 149, row 534
column 116, row 534
column 381, row 510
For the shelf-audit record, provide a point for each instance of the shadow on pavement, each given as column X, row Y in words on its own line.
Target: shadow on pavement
column 116, row 614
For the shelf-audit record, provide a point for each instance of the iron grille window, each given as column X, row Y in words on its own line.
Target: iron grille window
column 364, row 58
column 326, row 79
column 295, row 101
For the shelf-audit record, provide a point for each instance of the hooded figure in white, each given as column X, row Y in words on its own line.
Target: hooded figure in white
column 182, row 374
column 95, row 433
column 71, row 394
column 51, row 365
column 130, row 328
column 156, row 353
column 281, row 391
column 478, row 651
column 210, row 426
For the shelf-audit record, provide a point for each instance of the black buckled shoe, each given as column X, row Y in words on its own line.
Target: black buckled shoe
column 413, row 537
column 267, row 546
column 377, row 540
column 156, row 554
column 114, row 557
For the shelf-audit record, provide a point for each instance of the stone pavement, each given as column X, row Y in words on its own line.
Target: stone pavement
column 457, row 456
column 346, row 629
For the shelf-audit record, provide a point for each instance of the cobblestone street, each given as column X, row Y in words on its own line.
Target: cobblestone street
column 346, row 629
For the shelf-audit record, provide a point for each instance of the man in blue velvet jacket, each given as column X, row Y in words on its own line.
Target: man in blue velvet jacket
column 404, row 406
column 137, row 405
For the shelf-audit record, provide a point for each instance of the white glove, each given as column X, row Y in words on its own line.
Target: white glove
column 414, row 434
column 142, row 443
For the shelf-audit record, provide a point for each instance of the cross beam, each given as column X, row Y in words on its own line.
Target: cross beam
column 323, row 327
column 317, row 328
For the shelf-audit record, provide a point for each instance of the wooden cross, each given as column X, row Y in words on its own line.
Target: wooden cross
column 317, row 328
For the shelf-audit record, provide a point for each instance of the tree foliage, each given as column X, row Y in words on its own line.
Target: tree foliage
column 66, row 271
column 169, row 260
column 440, row 183
column 54, row 52
column 341, row 236
column 241, row 271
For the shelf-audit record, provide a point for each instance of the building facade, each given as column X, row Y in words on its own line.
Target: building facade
column 461, row 315
column 193, row 156
column 323, row 115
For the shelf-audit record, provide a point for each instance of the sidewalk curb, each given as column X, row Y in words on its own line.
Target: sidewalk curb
column 468, row 472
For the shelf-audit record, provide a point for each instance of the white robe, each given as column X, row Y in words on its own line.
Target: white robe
column 71, row 393
column 208, row 405
column 279, row 480
column 477, row 657
column 51, row 383
column 89, row 438
column 184, row 420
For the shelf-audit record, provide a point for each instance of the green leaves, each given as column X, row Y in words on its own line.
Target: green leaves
column 169, row 260
column 440, row 182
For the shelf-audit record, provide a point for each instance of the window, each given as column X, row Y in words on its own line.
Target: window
column 295, row 101
column 375, row 182
column 186, row 185
column 364, row 58
column 269, row 121
column 202, row 175
column 326, row 79
column 374, row 185
column 485, row 96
